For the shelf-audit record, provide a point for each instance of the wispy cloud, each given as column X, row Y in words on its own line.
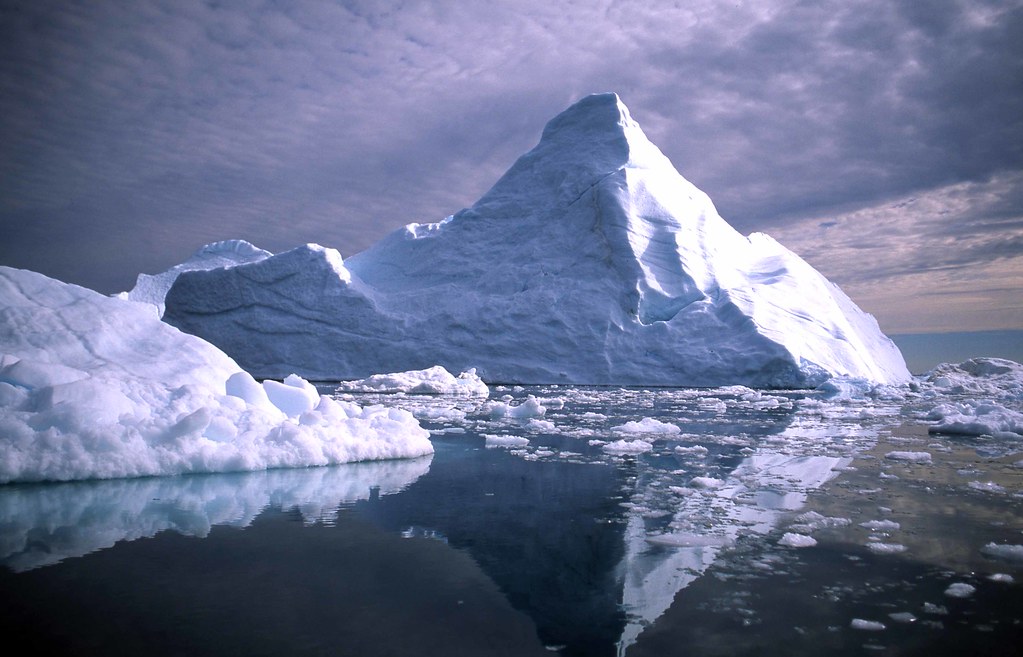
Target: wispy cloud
column 946, row 259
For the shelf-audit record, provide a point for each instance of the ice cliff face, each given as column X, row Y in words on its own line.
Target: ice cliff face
column 591, row 261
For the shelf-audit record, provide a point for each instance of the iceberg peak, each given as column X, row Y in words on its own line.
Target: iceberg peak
column 591, row 140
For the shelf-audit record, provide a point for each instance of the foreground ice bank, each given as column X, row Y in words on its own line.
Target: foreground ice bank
column 591, row 261
column 98, row 387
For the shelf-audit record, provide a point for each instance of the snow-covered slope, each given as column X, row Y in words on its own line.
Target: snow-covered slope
column 152, row 288
column 591, row 261
column 94, row 387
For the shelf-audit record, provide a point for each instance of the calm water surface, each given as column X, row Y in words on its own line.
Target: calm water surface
column 560, row 537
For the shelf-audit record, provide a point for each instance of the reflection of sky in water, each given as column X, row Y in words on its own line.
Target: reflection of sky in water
column 593, row 546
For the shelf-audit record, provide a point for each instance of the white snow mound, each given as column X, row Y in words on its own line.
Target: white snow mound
column 95, row 387
column 591, row 261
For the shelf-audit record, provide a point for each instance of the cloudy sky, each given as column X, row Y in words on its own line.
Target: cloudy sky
column 880, row 139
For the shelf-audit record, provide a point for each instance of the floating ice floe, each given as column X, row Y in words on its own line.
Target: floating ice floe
column 886, row 548
column 976, row 377
column 432, row 381
column 975, row 418
column 1003, row 551
column 790, row 539
column 706, row 482
column 530, row 408
column 647, row 425
column 96, row 387
column 960, row 590
column 627, row 447
column 505, row 441
column 909, row 457
column 866, row 625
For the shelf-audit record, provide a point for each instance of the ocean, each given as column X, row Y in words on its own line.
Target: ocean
column 616, row 521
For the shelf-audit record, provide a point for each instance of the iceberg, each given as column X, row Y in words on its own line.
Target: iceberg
column 590, row 261
column 96, row 387
column 152, row 288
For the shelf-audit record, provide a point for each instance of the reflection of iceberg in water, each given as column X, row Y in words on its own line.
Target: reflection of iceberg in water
column 42, row 525
column 751, row 500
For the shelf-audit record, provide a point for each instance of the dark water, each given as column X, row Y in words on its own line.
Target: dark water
column 561, row 545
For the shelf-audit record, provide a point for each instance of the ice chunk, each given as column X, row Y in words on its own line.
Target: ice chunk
column 432, row 381
column 706, row 482
column 977, row 378
column 627, row 447
column 294, row 395
column 902, row 617
column 886, row 548
column 867, row 625
column 797, row 540
column 812, row 520
column 1003, row 551
column 647, row 425
column 975, row 417
column 506, row 441
column 911, row 457
column 527, row 409
column 960, row 590
column 244, row 387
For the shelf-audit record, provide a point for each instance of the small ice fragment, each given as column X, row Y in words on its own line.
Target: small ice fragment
column 814, row 520
column 868, row 625
column 986, row 486
column 506, row 441
column 960, row 590
column 1002, row 578
column 902, row 617
column 912, row 457
column 628, row 447
column 880, row 525
column 886, row 548
column 797, row 540
column 647, row 425
column 938, row 610
column 1003, row 551
column 706, row 482
column 687, row 540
